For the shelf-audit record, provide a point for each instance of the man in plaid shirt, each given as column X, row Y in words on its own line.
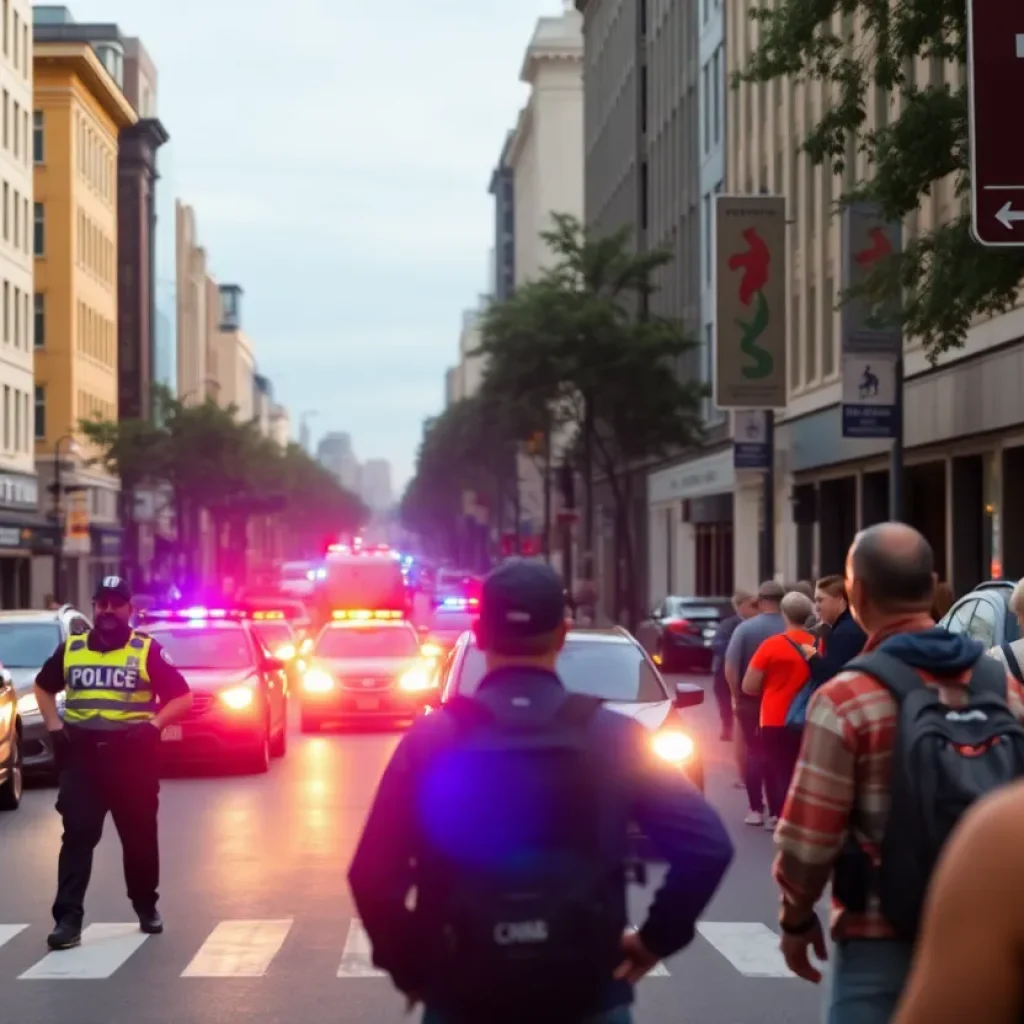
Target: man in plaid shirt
column 840, row 788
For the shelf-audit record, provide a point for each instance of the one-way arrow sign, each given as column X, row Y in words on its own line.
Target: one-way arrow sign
column 995, row 30
column 1008, row 216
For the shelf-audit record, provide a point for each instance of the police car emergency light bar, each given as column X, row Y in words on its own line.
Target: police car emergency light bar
column 364, row 615
column 459, row 604
column 191, row 614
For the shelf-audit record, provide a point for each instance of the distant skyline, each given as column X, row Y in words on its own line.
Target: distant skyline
column 341, row 182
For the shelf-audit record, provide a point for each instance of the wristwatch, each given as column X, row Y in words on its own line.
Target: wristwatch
column 801, row 929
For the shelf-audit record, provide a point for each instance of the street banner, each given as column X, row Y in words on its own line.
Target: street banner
column 869, row 395
column 750, row 298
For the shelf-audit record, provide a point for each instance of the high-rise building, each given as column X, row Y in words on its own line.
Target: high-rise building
column 503, row 189
column 375, row 485
column 82, row 111
column 334, row 453
column 22, row 529
column 236, row 361
column 196, row 313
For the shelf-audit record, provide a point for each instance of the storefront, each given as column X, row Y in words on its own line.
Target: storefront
column 691, row 514
column 23, row 536
column 963, row 475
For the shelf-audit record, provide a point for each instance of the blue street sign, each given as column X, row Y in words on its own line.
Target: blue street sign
column 750, row 447
column 869, row 395
column 869, row 421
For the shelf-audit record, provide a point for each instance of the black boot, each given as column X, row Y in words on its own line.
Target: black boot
column 150, row 921
column 66, row 935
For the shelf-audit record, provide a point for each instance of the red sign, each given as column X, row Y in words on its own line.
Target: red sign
column 996, row 83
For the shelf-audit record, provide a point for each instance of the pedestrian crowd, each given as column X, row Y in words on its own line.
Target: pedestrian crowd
column 884, row 753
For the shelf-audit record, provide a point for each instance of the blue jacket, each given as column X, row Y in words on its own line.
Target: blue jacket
column 681, row 824
column 844, row 642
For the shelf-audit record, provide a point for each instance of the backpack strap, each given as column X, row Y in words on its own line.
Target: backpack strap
column 896, row 676
column 1012, row 663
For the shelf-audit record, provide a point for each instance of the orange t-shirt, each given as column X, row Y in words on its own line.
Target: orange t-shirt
column 785, row 672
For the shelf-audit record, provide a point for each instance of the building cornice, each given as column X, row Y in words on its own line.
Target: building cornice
column 81, row 60
column 151, row 131
column 539, row 54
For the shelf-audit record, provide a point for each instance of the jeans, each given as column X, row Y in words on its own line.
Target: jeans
column 619, row 1015
column 866, row 981
column 748, row 717
column 781, row 753
column 723, row 698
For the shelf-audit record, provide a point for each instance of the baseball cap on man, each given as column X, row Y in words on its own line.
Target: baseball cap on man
column 521, row 602
column 115, row 587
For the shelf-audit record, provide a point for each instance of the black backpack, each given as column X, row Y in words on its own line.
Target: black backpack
column 943, row 760
column 532, row 930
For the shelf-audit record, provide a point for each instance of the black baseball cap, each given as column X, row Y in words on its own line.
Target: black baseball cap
column 521, row 601
column 113, row 586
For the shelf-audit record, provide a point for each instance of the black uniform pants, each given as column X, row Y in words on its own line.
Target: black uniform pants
column 115, row 773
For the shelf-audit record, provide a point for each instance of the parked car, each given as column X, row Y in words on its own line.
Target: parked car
column 679, row 631
column 984, row 614
column 27, row 639
column 11, row 771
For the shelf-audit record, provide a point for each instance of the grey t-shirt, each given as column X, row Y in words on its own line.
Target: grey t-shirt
column 748, row 637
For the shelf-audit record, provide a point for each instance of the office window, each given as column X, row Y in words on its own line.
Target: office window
column 7, row 312
column 24, row 135
column 15, row 33
column 16, row 132
column 17, row 421
column 716, row 92
column 39, row 230
column 26, row 317
column 40, row 412
column 17, row 220
column 24, row 237
column 17, row 317
column 7, row 418
column 24, row 49
column 7, row 116
column 40, row 320
column 7, row 204
column 709, row 221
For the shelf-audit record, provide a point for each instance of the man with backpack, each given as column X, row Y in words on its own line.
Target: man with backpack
column 491, row 875
column 896, row 747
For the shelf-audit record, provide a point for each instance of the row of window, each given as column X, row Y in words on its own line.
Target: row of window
column 16, row 437
column 16, row 323
column 90, row 407
column 15, row 216
column 94, row 250
column 713, row 73
column 17, row 47
column 15, row 128
column 97, row 336
column 97, row 160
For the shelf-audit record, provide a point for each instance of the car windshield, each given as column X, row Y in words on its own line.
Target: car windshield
column 367, row 642
column 612, row 671
column 450, row 622
column 27, row 644
column 274, row 635
column 191, row 647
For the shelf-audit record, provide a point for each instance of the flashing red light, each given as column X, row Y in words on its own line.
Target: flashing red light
column 366, row 615
column 195, row 614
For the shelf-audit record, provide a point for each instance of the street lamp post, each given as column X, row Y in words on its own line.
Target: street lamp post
column 58, row 491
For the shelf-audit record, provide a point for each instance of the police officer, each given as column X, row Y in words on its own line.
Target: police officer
column 120, row 691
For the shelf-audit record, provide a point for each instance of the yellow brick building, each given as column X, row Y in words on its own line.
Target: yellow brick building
column 79, row 111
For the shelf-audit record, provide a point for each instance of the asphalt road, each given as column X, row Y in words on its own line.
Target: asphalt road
column 260, row 922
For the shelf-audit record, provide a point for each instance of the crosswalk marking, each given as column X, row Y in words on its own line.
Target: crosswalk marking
column 104, row 948
column 8, row 931
column 751, row 947
column 248, row 948
column 239, row 949
column 357, row 960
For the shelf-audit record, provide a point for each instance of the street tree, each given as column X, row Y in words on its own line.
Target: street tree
column 945, row 277
column 583, row 344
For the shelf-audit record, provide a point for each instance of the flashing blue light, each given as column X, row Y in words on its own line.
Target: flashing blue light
column 459, row 604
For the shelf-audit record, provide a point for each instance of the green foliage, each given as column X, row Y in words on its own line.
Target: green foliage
column 212, row 460
column 949, row 279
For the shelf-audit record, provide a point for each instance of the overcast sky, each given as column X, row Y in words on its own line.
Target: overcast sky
column 338, row 154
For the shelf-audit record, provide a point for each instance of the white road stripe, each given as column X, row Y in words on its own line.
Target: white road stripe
column 239, row 949
column 357, row 959
column 104, row 948
column 751, row 947
column 8, row 931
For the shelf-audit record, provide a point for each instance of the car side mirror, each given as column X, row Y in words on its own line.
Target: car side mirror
column 274, row 664
column 689, row 695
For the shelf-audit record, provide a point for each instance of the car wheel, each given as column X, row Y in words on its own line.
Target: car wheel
column 279, row 745
column 11, row 790
column 259, row 762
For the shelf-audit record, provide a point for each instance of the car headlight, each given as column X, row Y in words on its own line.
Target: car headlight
column 416, row 680
column 673, row 745
column 429, row 650
column 28, row 705
column 285, row 652
column 238, row 698
column 317, row 681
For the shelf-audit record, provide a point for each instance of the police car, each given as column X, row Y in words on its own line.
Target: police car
column 367, row 666
column 239, row 713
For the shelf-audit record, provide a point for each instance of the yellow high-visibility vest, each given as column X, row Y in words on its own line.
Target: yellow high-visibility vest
column 108, row 690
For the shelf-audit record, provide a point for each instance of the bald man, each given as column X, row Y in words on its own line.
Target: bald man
column 840, row 787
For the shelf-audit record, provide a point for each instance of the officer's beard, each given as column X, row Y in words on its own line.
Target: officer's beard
column 109, row 625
